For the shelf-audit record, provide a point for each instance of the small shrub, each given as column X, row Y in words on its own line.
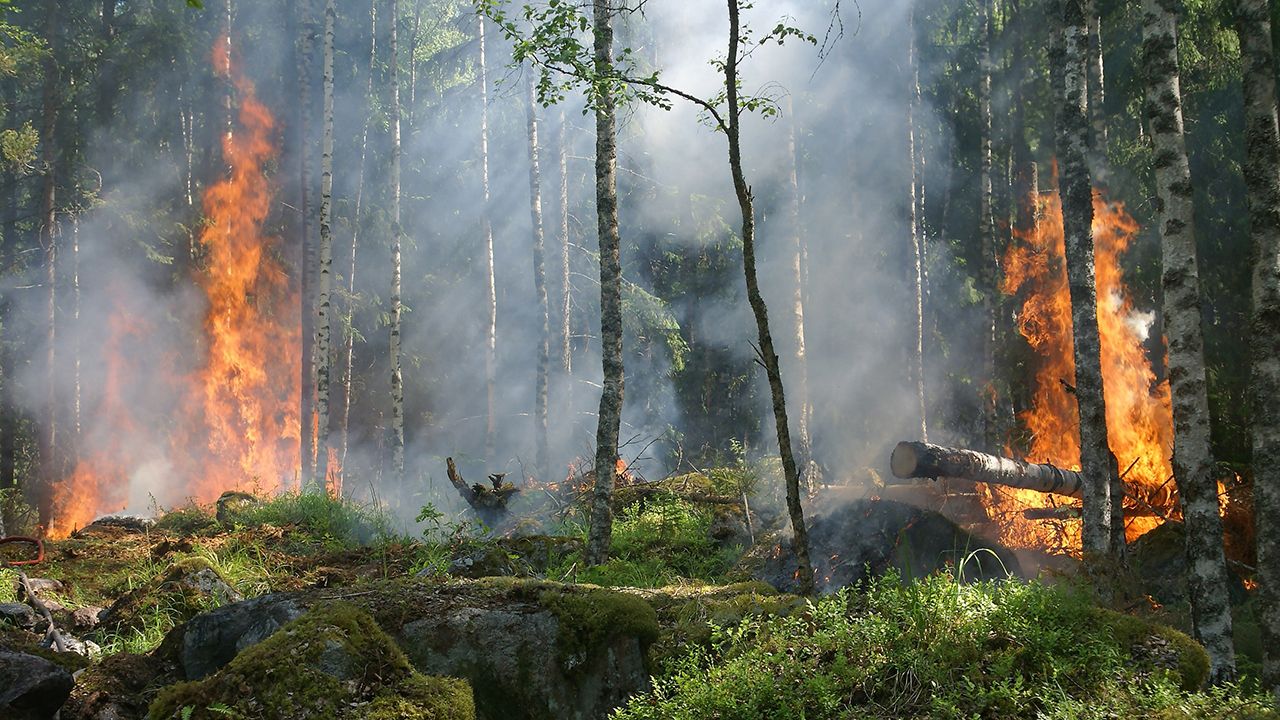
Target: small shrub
column 322, row 520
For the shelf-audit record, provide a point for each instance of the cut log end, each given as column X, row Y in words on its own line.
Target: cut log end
column 904, row 461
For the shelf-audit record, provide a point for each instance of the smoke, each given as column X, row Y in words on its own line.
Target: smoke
column 849, row 113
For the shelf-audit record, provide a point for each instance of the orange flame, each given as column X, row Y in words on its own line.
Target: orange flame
column 1139, row 414
column 239, row 427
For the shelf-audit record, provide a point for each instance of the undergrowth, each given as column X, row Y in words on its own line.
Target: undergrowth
column 932, row 649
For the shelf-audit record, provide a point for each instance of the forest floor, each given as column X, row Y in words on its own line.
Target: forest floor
column 713, row 641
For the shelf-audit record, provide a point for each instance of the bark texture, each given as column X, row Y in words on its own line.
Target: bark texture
column 922, row 460
column 308, row 272
column 490, row 288
column 541, row 462
column 1192, row 456
column 1262, row 177
column 566, row 297
column 800, row 535
column 47, row 223
column 797, row 243
column 916, row 365
column 1097, row 95
column 397, row 378
column 324, row 311
column 609, row 417
column 987, row 234
column 1077, row 213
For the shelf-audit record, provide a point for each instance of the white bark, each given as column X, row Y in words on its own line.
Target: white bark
column 324, row 319
column 397, row 379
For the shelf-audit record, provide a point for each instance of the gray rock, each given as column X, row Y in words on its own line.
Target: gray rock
column 87, row 618
column 212, row 639
column 43, row 586
column 31, row 688
column 19, row 615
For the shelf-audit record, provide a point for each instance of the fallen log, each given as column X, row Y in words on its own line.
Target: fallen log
column 922, row 460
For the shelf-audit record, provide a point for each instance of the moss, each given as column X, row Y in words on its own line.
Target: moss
column 591, row 617
column 687, row 616
column 1189, row 660
column 190, row 520
column 29, row 643
column 332, row 662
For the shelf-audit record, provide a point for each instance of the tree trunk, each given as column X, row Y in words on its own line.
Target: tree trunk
column 917, row 247
column 350, row 339
column 797, row 242
column 987, row 236
column 1077, row 213
column 308, row 377
column 107, row 87
column 1262, row 178
column 609, row 416
column 397, row 379
column 800, row 536
column 922, row 460
column 50, row 467
column 324, row 316
column 1192, row 456
column 1097, row 94
column 566, row 297
column 541, row 462
column 8, row 410
column 490, row 287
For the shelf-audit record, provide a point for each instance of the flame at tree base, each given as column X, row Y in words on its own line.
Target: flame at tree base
column 235, row 425
column 1139, row 412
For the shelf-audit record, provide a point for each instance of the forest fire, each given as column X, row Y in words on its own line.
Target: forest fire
column 236, row 425
column 1139, row 415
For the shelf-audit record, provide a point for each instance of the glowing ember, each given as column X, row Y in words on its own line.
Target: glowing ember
column 1139, row 416
column 239, row 427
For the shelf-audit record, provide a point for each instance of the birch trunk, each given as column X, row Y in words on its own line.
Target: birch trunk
column 1262, row 178
column 917, row 254
column 349, row 327
column 809, row 474
column 490, row 288
column 1077, row 214
column 397, row 379
column 609, row 416
column 541, row 461
column 800, row 535
column 324, row 310
column 1192, row 456
column 987, row 236
column 566, row 297
column 1097, row 95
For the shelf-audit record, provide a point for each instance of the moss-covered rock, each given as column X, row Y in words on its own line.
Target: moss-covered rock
column 332, row 662
column 1159, row 647
column 189, row 586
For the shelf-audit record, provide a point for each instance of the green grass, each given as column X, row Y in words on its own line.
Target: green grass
column 933, row 649
column 321, row 519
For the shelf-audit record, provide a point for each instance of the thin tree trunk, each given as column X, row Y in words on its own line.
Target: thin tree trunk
column 8, row 411
column 800, row 536
column 797, row 242
column 1097, row 95
column 349, row 327
column 107, row 88
column 307, row 275
column 324, row 317
column 541, row 463
column 50, row 466
column 490, row 288
column 987, row 235
column 76, row 330
column 1262, row 178
column 1077, row 215
column 397, row 379
column 917, row 257
column 1192, row 456
column 609, row 417
column 566, row 296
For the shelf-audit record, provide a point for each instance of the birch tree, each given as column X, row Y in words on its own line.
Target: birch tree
column 324, row 310
column 1072, row 131
column 987, row 230
column 1192, row 456
column 1262, row 178
column 917, row 246
column 486, row 229
column 543, row 359
column 397, row 379
column 308, row 273
column 809, row 472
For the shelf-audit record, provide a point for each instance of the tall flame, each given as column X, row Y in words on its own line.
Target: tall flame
column 237, row 424
column 1139, row 414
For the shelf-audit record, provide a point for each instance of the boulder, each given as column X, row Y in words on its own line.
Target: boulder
column 332, row 662
column 530, row 649
column 1158, row 561
column 865, row 538
column 19, row 615
column 31, row 688
column 188, row 587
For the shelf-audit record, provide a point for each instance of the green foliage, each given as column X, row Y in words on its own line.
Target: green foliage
column 589, row 618
column 18, row 149
column 934, row 649
column 319, row 519
column 8, row 585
